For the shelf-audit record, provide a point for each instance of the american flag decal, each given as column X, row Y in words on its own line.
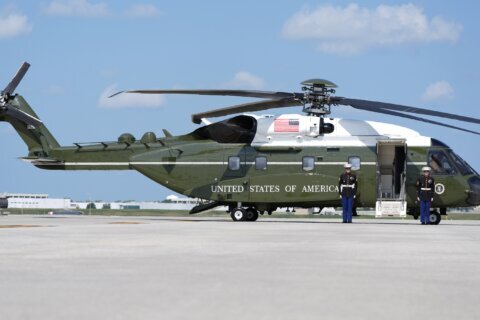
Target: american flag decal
column 286, row 125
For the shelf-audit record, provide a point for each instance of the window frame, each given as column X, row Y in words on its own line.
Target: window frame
column 256, row 163
column 230, row 158
column 359, row 162
column 303, row 163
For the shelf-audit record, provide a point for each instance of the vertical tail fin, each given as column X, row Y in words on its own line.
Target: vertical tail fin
column 37, row 137
column 15, row 110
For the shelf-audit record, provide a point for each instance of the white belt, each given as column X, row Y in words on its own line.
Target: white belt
column 426, row 189
column 347, row 185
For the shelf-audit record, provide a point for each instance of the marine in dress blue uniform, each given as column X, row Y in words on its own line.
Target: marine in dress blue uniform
column 425, row 189
column 347, row 188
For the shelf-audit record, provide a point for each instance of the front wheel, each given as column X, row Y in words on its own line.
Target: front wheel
column 251, row 214
column 238, row 214
column 434, row 218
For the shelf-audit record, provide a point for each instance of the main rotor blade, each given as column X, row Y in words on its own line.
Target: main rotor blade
column 398, row 107
column 10, row 88
column 235, row 93
column 22, row 116
column 247, row 107
column 402, row 115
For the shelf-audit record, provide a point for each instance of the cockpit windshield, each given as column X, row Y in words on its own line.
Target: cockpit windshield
column 461, row 164
column 440, row 163
column 448, row 162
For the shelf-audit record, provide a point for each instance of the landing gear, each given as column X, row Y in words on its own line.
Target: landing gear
column 242, row 214
column 354, row 212
column 251, row 214
column 434, row 217
column 238, row 214
column 415, row 213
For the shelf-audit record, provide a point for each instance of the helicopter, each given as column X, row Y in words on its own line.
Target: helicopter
column 254, row 164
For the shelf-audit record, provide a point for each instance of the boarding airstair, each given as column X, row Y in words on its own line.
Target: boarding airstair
column 391, row 179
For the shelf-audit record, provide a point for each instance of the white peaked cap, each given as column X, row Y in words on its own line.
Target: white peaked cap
column 347, row 166
column 426, row 169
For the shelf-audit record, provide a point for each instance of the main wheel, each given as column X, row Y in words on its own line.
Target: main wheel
column 238, row 214
column 251, row 214
column 434, row 218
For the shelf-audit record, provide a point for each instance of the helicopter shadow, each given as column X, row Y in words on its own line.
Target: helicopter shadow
column 323, row 222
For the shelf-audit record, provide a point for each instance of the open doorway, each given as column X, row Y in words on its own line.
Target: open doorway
column 391, row 169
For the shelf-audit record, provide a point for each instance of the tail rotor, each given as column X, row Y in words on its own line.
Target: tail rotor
column 8, row 94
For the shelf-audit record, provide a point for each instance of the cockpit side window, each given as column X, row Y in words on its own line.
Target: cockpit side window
column 440, row 163
column 461, row 164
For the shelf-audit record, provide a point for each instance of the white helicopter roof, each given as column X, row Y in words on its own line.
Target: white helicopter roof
column 295, row 129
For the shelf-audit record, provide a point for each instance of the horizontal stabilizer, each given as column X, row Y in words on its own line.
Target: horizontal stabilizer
column 40, row 161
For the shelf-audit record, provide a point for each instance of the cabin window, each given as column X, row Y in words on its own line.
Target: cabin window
column 355, row 162
column 308, row 163
column 234, row 163
column 440, row 163
column 261, row 163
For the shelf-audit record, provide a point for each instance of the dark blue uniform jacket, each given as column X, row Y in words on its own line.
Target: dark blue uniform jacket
column 425, row 188
column 347, row 184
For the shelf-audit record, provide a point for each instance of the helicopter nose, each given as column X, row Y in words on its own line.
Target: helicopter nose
column 474, row 192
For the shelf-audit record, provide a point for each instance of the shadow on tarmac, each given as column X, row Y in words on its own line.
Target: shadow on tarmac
column 313, row 221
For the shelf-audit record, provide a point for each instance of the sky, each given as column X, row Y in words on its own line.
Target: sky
column 420, row 53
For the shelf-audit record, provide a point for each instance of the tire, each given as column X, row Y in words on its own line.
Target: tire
column 354, row 212
column 238, row 214
column 434, row 218
column 251, row 214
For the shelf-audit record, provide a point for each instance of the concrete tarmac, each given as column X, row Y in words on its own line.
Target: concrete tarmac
column 90, row 267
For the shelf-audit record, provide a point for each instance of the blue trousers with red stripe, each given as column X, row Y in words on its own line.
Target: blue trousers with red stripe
column 425, row 211
column 347, row 206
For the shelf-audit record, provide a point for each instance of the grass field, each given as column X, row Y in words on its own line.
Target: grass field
column 171, row 213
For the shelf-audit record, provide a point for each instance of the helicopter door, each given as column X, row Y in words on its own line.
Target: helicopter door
column 391, row 178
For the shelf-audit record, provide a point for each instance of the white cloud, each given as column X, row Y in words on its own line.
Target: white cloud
column 438, row 91
column 142, row 11
column 129, row 100
column 13, row 24
column 246, row 80
column 354, row 29
column 80, row 8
